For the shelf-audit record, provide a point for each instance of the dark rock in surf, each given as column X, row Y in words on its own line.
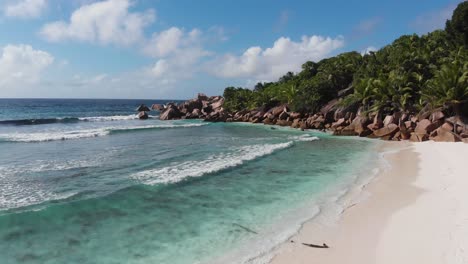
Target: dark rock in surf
column 143, row 108
column 143, row 115
column 171, row 112
column 158, row 107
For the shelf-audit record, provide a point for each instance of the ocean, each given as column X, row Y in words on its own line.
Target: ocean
column 85, row 181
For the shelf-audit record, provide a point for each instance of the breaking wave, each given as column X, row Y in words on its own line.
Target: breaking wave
column 87, row 133
column 66, row 120
column 180, row 171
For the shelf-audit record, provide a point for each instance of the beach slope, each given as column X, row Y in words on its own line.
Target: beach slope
column 415, row 211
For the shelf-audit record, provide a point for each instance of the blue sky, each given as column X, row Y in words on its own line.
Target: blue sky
column 173, row 49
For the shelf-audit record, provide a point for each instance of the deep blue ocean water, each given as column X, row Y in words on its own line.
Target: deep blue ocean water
column 84, row 181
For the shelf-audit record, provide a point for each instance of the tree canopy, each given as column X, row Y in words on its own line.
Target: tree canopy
column 407, row 75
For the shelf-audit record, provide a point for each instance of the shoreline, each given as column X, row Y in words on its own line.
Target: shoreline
column 386, row 221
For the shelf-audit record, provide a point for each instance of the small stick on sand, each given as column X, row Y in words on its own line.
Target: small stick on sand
column 316, row 246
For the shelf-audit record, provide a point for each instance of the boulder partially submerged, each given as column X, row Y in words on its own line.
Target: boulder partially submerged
column 170, row 112
column 143, row 115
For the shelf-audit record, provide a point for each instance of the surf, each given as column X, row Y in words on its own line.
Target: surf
column 86, row 133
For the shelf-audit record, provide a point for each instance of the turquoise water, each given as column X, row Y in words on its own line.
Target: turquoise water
column 112, row 189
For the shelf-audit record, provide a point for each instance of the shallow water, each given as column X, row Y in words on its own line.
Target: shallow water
column 157, row 192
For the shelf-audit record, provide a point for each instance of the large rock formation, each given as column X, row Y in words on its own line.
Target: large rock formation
column 344, row 121
column 170, row 112
column 386, row 131
column 202, row 107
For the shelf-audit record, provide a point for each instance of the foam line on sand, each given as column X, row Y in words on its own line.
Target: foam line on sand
column 415, row 211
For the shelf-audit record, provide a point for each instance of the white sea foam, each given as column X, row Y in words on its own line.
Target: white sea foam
column 52, row 136
column 108, row 118
column 180, row 171
column 48, row 165
column 20, row 188
column 86, row 133
column 305, row 137
column 12, row 197
column 171, row 125
column 112, row 118
column 20, row 192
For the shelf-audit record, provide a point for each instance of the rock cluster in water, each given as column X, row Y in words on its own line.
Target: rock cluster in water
column 202, row 107
column 343, row 121
column 143, row 111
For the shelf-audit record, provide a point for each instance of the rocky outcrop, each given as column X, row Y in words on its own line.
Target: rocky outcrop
column 202, row 107
column 170, row 112
column 143, row 108
column 343, row 121
column 143, row 115
column 142, row 112
column 157, row 107
column 387, row 131
column 418, row 137
column 443, row 135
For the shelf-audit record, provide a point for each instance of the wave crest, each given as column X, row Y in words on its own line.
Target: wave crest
column 87, row 133
column 178, row 172
column 66, row 120
column 108, row 118
column 305, row 137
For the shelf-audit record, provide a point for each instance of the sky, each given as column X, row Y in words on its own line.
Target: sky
column 174, row 49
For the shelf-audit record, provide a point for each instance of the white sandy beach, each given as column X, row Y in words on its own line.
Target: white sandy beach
column 415, row 212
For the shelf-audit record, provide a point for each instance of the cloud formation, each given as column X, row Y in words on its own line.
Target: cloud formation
column 25, row 8
column 106, row 22
column 21, row 64
column 271, row 63
column 177, row 53
column 169, row 41
column 369, row 50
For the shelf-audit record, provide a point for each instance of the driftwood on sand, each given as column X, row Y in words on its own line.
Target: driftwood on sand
column 316, row 246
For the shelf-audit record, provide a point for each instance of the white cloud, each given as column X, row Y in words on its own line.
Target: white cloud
column 106, row 22
column 25, row 8
column 21, row 64
column 368, row 50
column 178, row 53
column 433, row 20
column 159, row 68
column 183, row 64
column 271, row 63
column 167, row 42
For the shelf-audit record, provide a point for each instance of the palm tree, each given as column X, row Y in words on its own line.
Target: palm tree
column 362, row 93
column 448, row 88
column 289, row 92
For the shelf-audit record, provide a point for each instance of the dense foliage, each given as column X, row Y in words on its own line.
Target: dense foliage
column 411, row 74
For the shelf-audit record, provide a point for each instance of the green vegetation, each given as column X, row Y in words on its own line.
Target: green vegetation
column 413, row 73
